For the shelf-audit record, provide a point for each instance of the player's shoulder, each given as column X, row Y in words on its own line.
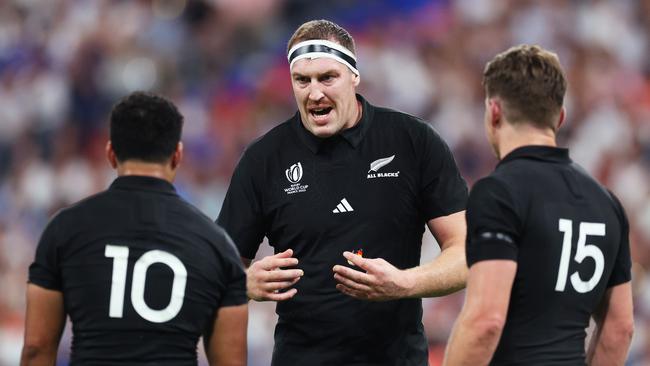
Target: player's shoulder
column 494, row 183
column 599, row 189
column 269, row 142
column 81, row 209
column 206, row 228
column 386, row 116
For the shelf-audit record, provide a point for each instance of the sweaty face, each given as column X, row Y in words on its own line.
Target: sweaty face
column 325, row 93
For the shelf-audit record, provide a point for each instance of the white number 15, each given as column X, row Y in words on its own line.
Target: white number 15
column 583, row 251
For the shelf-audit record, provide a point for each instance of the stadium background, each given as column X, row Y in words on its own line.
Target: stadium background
column 64, row 63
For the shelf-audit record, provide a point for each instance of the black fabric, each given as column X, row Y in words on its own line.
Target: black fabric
column 390, row 206
column 525, row 199
column 141, row 215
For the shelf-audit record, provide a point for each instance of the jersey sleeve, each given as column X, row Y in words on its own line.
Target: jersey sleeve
column 235, row 291
column 444, row 191
column 622, row 271
column 492, row 223
column 241, row 213
column 44, row 271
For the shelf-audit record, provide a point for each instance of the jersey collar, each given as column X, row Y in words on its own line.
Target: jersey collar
column 544, row 153
column 352, row 135
column 143, row 183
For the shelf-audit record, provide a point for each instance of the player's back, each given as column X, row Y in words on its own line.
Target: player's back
column 570, row 233
column 142, row 273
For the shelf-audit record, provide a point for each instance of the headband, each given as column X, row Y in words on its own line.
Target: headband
column 316, row 48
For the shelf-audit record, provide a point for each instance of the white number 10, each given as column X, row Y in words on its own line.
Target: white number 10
column 120, row 255
column 583, row 251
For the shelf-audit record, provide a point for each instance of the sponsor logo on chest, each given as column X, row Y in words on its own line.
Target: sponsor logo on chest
column 378, row 164
column 294, row 175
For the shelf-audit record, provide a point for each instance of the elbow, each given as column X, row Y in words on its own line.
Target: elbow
column 32, row 352
column 488, row 326
column 626, row 331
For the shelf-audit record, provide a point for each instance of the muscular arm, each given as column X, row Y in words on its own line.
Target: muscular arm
column 447, row 273
column 44, row 322
column 479, row 326
column 226, row 345
column 382, row 281
column 614, row 327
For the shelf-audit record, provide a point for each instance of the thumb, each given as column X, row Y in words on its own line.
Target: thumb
column 357, row 260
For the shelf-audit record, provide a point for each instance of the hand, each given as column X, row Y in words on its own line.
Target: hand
column 266, row 277
column 381, row 281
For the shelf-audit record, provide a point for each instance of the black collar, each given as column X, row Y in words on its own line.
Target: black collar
column 538, row 152
column 352, row 135
column 143, row 183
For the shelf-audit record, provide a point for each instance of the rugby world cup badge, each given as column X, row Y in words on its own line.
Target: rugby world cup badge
column 294, row 175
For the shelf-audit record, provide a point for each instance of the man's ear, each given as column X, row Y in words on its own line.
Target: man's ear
column 560, row 120
column 496, row 112
column 110, row 155
column 357, row 80
column 177, row 157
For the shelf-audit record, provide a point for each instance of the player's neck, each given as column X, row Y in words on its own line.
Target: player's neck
column 514, row 137
column 146, row 169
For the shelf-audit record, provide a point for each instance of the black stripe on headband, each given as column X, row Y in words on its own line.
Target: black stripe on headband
column 322, row 48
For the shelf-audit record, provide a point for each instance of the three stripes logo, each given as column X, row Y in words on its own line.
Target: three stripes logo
column 342, row 207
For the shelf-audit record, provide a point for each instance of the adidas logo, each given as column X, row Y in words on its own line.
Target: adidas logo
column 344, row 206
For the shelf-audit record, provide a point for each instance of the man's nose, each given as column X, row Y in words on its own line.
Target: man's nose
column 315, row 92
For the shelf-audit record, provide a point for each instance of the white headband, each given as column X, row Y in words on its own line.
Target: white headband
column 316, row 48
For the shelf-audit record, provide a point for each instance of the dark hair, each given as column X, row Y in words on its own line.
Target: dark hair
column 145, row 127
column 322, row 29
column 531, row 83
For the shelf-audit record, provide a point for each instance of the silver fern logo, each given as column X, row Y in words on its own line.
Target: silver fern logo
column 378, row 164
column 294, row 173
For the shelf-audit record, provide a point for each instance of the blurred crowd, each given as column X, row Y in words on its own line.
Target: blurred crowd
column 63, row 63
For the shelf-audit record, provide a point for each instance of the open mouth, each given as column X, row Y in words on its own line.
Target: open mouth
column 320, row 112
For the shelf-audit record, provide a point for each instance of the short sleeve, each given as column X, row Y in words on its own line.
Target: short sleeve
column 444, row 191
column 241, row 213
column 45, row 271
column 235, row 291
column 622, row 271
column 492, row 223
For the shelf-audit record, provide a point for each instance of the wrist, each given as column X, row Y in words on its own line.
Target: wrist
column 407, row 284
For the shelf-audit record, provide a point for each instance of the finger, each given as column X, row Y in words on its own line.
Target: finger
column 354, row 275
column 286, row 254
column 270, row 263
column 275, row 286
column 351, row 284
column 283, row 275
column 281, row 296
column 351, row 292
column 357, row 260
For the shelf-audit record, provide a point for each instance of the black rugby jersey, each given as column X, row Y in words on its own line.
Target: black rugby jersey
column 370, row 188
column 142, row 274
column 569, row 237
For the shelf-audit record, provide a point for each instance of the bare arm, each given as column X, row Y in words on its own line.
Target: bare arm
column 226, row 345
column 448, row 272
column 382, row 281
column 479, row 326
column 267, row 278
column 614, row 327
column 44, row 322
